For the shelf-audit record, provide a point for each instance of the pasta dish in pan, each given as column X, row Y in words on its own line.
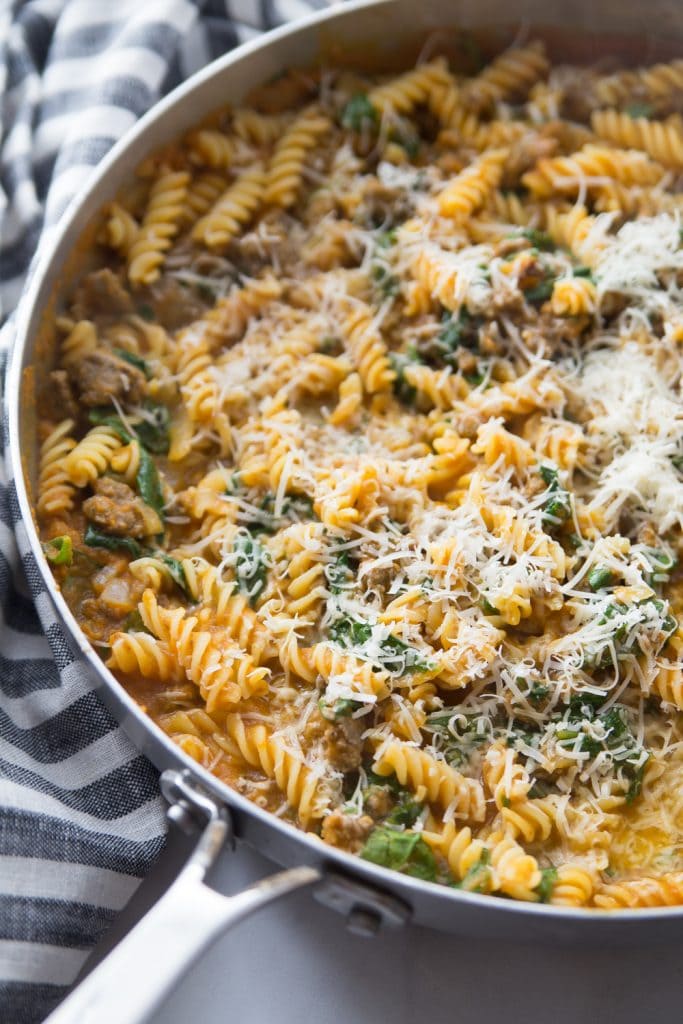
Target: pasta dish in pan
column 362, row 465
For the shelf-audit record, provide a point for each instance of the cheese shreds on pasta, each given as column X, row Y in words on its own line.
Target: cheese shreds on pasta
column 371, row 495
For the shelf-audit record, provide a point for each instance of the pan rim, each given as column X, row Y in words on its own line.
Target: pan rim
column 29, row 312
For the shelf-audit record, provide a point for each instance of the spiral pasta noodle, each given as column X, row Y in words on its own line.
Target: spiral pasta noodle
column 432, row 780
column 368, row 351
column 663, row 142
column 509, row 75
column 292, row 776
column 235, row 208
column 140, row 652
column 91, row 456
column 55, row 488
column 287, row 163
column 223, row 672
column 158, row 227
column 402, row 94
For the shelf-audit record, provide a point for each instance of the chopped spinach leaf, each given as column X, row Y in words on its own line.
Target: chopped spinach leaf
column 341, row 708
column 175, row 569
column 251, row 566
column 146, row 312
column 478, row 877
column 106, row 418
column 149, row 484
column 133, row 359
column 359, row 114
column 546, row 885
column 639, row 109
column 539, row 239
column 538, row 693
column 153, row 430
column 388, row 652
column 387, row 283
column 635, row 775
column 542, row 290
column 339, row 574
column 405, row 812
column 599, row 577
column 406, row 852
column 661, row 565
column 133, row 623
column 96, row 539
column 558, row 505
column 404, row 391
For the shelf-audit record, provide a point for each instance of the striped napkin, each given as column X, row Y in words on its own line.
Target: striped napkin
column 81, row 819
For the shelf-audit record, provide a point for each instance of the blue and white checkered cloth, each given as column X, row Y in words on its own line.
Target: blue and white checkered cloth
column 81, row 819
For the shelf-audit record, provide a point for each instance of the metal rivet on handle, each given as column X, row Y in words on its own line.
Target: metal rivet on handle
column 363, row 922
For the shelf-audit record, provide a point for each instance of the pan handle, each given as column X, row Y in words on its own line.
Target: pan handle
column 136, row 976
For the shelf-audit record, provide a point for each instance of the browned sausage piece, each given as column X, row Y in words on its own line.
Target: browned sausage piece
column 102, row 376
column 116, row 509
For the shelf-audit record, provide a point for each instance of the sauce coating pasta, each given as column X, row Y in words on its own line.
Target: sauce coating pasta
column 362, row 465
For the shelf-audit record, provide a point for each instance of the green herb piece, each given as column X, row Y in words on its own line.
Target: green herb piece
column 478, row 877
column 405, row 812
column 96, row 539
column 106, row 418
column 175, row 569
column 406, row 852
column 377, row 781
column 542, row 290
column 387, row 283
column 585, row 705
column 59, row 550
column 636, row 782
column 405, row 136
column 149, row 484
column 457, row 332
column 640, row 109
column 153, row 430
column 359, row 114
column 338, row 573
column 330, row 346
column 670, row 623
column 550, row 476
column 540, row 789
column 615, row 742
column 251, row 566
column 539, row 239
column 146, row 312
column 134, row 360
column 599, row 577
column 662, row 564
column 385, row 239
column 133, row 623
column 558, row 504
column 547, row 884
column 340, row 709
column 582, row 271
column 404, row 391
column 295, row 508
column 538, row 693
column 394, row 655
column 487, row 607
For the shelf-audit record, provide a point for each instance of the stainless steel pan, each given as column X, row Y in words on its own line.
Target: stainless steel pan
column 191, row 914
